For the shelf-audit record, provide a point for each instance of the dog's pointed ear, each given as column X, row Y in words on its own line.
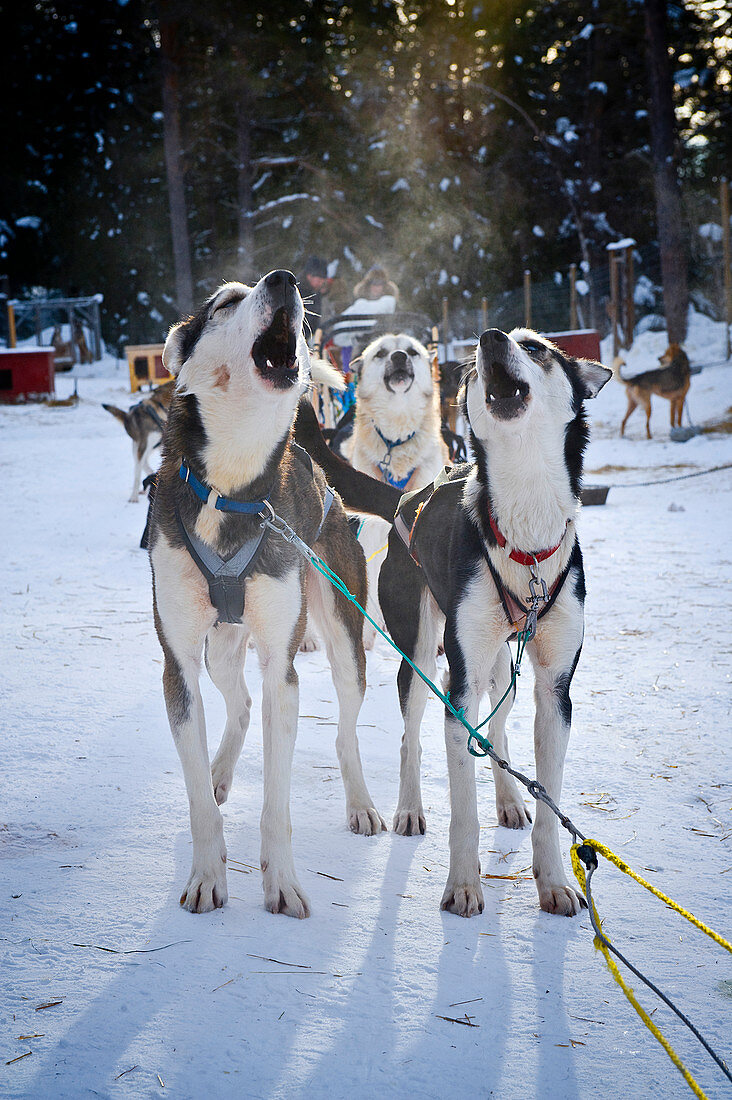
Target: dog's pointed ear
column 172, row 354
column 592, row 375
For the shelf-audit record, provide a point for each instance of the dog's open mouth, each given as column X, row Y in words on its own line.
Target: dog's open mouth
column 275, row 351
column 505, row 395
column 398, row 377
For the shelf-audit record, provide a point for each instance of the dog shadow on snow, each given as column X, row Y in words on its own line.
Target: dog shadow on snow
column 390, row 1006
column 96, row 1055
column 379, row 1039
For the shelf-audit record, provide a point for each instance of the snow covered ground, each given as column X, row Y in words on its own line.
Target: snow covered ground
column 116, row 992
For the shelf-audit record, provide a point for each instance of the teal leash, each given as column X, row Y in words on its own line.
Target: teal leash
column 478, row 745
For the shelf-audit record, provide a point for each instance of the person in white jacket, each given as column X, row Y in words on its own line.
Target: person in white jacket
column 375, row 294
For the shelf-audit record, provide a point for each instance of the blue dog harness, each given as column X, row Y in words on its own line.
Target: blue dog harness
column 226, row 576
column 384, row 465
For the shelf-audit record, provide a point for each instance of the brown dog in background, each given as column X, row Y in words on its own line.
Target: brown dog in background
column 671, row 381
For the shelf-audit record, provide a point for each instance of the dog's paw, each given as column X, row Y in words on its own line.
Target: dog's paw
column 206, row 888
column 365, row 820
column 285, row 895
column 309, row 643
column 560, row 899
column 512, row 813
column 133, row 499
column 465, row 899
column 409, row 822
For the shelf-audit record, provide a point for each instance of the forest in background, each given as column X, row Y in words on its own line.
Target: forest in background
column 458, row 142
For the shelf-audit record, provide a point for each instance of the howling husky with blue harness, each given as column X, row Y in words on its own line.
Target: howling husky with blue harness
column 230, row 476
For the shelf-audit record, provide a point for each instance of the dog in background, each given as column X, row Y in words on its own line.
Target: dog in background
column 64, row 356
column 144, row 423
column 396, row 435
column 220, row 574
column 78, row 336
column 671, row 380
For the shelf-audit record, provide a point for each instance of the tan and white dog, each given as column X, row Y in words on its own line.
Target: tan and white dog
column 396, row 435
column 220, row 574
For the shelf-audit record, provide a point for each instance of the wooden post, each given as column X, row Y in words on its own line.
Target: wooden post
column 483, row 314
column 629, row 297
column 97, row 331
column 573, row 296
column 527, row 298
column 445, row 319
column 614, row 296
column 727, row 261
column 11, row 325
column 37, row 315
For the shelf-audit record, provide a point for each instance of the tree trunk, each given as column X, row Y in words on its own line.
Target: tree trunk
column 174, row 161
column 671, row 234
column 245, row 244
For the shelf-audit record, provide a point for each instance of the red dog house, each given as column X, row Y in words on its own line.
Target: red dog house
column 26, row 374
column 582, row 343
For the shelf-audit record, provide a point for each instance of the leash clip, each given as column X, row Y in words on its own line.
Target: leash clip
column 537, row 580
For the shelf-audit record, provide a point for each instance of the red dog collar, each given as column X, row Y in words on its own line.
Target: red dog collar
column 519, row 555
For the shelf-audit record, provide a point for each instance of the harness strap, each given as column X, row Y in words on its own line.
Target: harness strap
column 392, row 443
column 406, row 532
column 221, row 504
column 154, row 415
column 513, row 608
column 225, row 576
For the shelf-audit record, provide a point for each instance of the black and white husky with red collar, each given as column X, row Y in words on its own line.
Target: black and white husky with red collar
column 472, row 546
column 220, row 575
column 476, row 542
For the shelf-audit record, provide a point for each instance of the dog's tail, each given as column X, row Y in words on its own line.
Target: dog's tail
column 358, row 491
column 617, row 363
column 327, row 375
column 118, row 414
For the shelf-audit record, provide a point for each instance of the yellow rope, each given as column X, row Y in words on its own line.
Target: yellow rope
column 619, row 863
column 379, row 551
column 612, row 965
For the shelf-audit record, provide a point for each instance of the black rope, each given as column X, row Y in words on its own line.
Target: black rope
column 667, row 480
column 666, row 1000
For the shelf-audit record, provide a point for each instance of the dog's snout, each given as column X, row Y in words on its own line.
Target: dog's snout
column 492, row 337
column 399, row 358
column 279, row 279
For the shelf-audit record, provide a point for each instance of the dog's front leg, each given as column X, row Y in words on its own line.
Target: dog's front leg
column 206, row 886
column 137, row 476
column 181, row 635
column 277, row 613
column 551, row 735
column 282, row 891
column 463, row 893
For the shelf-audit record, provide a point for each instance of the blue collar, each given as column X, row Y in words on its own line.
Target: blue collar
column 391, row 443
column 222, row 504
